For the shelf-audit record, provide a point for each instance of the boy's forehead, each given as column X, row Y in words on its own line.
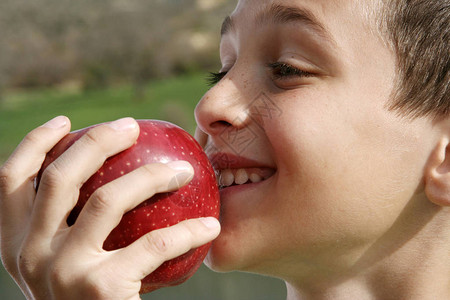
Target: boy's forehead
column 278, row 14
column 328, row 18
column 320, row 8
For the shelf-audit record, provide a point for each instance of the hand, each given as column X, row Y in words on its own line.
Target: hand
column 50, row 260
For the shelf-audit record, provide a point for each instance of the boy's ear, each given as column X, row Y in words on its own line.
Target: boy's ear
column 437, row 174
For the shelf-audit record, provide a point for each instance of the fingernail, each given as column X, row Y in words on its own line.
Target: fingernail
column 124, row 124
column 185, row 173
column 180, row 180
column 210, row 222
column 180, row 165
column 56, row 123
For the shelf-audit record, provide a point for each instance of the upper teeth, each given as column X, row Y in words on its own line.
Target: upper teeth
column 227, row 177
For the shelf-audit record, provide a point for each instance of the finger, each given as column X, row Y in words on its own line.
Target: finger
column 59, row 186
column 105, row 208
column 147, row 253
column 18, row 173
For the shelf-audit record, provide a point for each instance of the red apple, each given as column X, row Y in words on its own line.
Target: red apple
column 158, row 141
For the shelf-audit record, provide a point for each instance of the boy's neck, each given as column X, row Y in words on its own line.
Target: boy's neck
column 413, row 264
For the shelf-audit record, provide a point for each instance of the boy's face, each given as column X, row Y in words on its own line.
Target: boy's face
column 305, row 95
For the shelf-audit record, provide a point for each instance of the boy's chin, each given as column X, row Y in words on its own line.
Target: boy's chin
column 215, row 264
column 220, row 262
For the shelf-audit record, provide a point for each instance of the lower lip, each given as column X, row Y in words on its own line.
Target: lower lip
column 228, row 191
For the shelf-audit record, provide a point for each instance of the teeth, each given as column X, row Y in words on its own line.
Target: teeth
column 241, row 176
column 255, row 178
column 227, row 177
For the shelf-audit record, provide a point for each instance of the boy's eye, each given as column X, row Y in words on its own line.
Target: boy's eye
column 283, row 71
column 214, row 78
column 279, row 71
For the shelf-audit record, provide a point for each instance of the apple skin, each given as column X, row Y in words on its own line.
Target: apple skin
column 158, row 141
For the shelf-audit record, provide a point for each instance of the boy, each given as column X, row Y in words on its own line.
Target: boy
column 348, row 169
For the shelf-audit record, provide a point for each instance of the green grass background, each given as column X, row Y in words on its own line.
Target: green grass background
column 172, row 100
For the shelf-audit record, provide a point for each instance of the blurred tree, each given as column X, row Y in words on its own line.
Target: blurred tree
column 48, row 42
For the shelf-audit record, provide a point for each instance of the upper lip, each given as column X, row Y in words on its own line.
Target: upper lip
column 222, row 161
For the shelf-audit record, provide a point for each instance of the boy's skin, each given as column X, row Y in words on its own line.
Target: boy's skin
column 357, row 207
column 349, row 213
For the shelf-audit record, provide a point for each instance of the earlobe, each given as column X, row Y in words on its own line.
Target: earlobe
column 437, row 174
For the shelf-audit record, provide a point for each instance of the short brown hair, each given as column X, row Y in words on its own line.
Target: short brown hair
column 419, row 33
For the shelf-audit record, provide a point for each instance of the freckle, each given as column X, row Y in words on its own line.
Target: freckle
column 145, row 133
column 167, row 135
column 128, row 163
column 138, row 160
column 101, row 174
column 110, row 168
column 183, row 153
column 122, row 172
column 148, row 151
column 156, row 134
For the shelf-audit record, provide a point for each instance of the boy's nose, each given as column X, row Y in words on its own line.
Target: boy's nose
column 221, row 107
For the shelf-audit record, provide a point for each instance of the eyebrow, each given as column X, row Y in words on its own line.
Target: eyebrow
column 279, row 14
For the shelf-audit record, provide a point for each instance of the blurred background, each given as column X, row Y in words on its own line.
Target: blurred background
column 99, row 60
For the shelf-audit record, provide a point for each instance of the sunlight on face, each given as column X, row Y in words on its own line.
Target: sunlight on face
column 308, row 83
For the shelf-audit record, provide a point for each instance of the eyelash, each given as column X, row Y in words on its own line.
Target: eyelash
column 214, row 78
column 280, row 71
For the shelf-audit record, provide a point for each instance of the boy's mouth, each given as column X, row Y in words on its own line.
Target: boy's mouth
column 230, row 177
column 237, row 170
